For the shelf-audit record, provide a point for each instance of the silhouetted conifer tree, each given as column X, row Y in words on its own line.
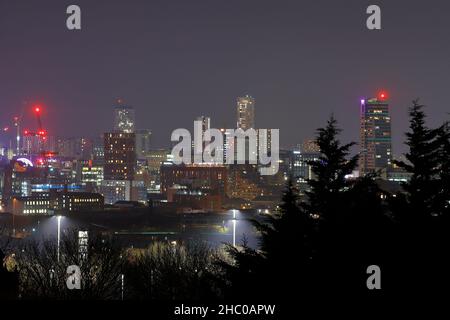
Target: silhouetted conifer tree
column 289, row 229
column 423, row 163
column 366, row 231
column 284, row 258
column 328, row 203
column 329, row 183
column 422, row 237
column 444, row 174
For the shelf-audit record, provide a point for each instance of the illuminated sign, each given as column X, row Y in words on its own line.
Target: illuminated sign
column 25, row 162
column 22, row 164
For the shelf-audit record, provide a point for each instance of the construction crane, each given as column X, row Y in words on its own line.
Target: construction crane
column 16, row 124
column 5, row 130
column 40, row 133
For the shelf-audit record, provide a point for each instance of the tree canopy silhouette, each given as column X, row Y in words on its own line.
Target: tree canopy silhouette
column 329, row 183
column 423, row 162
column 422, row 236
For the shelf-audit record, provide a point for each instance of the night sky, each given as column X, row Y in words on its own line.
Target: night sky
column 173, row 60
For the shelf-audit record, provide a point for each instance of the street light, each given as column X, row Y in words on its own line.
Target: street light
column 14, row 201
column 234, row 227
column 59, row 233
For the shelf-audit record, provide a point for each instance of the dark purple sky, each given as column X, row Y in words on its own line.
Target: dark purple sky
column 176, row 59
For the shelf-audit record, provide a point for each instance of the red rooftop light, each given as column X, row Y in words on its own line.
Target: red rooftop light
column 382, row 95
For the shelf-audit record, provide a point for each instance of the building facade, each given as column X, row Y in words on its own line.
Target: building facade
column 205, row 177
column 48, row 203
column 245, row 112
column 92, row 176
column 375, row 135
column 143, row 138
column 123, row 190
column 124, row 119
column 120, row 156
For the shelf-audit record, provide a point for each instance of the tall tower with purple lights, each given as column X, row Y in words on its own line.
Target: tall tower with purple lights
column 375, row 134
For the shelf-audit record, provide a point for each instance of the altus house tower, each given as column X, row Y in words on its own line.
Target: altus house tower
column 375, row 135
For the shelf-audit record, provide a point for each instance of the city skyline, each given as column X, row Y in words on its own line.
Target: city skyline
column 209, row 158
column 182, row 60
column 124, row 121
column 150, row 144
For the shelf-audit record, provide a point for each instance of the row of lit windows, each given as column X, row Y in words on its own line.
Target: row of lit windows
column 35, row 211
column 87, row 169
column 114, row 161
column 38, row 203
column 86, row 200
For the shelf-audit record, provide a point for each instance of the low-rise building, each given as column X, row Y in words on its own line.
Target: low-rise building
column 56, row 202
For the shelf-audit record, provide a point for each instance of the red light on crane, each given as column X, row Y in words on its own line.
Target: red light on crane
column 37, row 109
column 382, row 95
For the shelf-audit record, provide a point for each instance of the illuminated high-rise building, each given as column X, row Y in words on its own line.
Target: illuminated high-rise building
column 98, row 152
column 205, row 125
column 228, row 144
column 375, row 135
column 32, row 145
column 206, row 122
column 143, row 138
column 120, row 156
column 155, row 158
column 245, row 112
column 309, row 146
column 92, row 176
column 78, row 148
column 124, row 119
